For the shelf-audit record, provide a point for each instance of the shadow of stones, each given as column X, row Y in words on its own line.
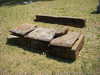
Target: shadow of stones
column 97, row 11
column 28, row 44
column 16, row 2
column 36, row 46
column 68, row 60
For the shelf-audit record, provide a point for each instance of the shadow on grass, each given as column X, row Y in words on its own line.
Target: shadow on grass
column 95, row 12
column 35, row 46
column 16, row 2
column 61, row 59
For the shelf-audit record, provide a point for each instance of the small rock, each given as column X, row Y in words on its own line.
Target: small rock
column 11, row 36
column 27, row 2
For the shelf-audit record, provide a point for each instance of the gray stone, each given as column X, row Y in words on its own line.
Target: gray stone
column 78, row 45
column 61, row 31
column 65, row 51
column 43, row 34
column 66, row 40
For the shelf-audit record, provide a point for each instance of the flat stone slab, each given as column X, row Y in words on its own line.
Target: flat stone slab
column 67, row 52
column 43, row 34
column 23, row 29
column 67, row 40
column 62, row 20
column 61, row 31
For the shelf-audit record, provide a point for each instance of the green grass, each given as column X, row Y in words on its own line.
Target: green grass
column 14, row 59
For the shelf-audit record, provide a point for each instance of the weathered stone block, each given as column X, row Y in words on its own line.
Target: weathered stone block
column 78, row 45
column 43, row 34
column 62, row 31
column 66, row 40
column 63, row 20
column 23, row 29
column 69, row 48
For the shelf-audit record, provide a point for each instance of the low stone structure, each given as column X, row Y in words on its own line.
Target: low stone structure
column 67, row 46
column 62, row 20
column 61, row 43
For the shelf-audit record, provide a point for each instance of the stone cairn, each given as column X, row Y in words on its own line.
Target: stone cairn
column 57, row 42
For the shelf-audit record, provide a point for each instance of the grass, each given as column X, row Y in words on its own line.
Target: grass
column 14, row 59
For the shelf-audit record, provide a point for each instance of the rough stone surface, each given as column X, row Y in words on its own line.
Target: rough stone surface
column 67, row 52
column 23, row 29
column 78, row 45
column 66, row 40
column 61, row 43
column 59, row 51
column 43, row 34
column 62, row 31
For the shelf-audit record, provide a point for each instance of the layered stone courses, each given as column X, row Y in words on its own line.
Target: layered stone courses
column 62, row 43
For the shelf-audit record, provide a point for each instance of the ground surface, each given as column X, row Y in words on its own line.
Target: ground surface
column 14, row 59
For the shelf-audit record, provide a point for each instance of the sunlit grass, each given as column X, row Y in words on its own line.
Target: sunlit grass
column 15, row 59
